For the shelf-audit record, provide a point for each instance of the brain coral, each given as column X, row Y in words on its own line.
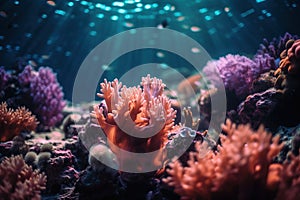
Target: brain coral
column 12, row 122
column 18, row 181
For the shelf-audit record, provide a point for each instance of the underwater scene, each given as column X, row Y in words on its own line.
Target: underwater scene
column 145, row 99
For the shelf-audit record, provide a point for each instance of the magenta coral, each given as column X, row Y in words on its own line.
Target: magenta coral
column 236, row 171
column 12, row 122
column 18, row 181
column 137, row 111
column 47, row 96
column 237, row 73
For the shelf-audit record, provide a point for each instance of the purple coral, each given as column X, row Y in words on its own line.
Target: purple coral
column 47, row 96
column 276, row 46
column 237, row 73
column 264, row 62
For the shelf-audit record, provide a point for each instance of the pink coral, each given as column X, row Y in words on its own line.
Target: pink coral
column 18, row 181
column 135, row 119
column 239, row 168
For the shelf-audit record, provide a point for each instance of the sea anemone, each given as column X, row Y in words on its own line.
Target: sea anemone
column 135, row 119
column 12, row 122
column 46, row 96
column 18, row 181
column 238, row 170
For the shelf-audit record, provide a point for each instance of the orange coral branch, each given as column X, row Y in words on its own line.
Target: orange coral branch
column 12, row 122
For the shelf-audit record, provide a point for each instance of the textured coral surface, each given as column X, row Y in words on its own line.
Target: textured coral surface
column 12, row 122
column 19, row 181
column 239, row 168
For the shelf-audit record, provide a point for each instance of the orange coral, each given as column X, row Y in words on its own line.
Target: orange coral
column 239, row 167
column 289, row 63
column 12, row 122
column 138, row 119
column 18, row 181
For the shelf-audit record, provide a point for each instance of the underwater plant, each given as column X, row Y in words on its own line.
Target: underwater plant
column 45, row 94
column 19, row 181
column 238, row 170
column 136, row 111
column 12, row 122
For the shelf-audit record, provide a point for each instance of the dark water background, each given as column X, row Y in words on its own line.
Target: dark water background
column 60, row 34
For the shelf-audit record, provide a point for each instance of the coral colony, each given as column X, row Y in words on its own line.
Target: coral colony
column 43, row 155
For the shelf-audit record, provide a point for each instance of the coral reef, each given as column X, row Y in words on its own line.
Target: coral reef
column 12, row 122
column 18, row 180
column 144, row 113
column 239, row 168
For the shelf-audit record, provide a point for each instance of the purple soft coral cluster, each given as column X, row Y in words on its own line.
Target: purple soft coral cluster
column 46, row 93
column 237, row 73
column 276, row 46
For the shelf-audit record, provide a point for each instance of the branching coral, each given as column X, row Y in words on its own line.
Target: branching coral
column 135, row 119
column 238, row 170
column 45, row 94
column 12, row 122
column 18, row 181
